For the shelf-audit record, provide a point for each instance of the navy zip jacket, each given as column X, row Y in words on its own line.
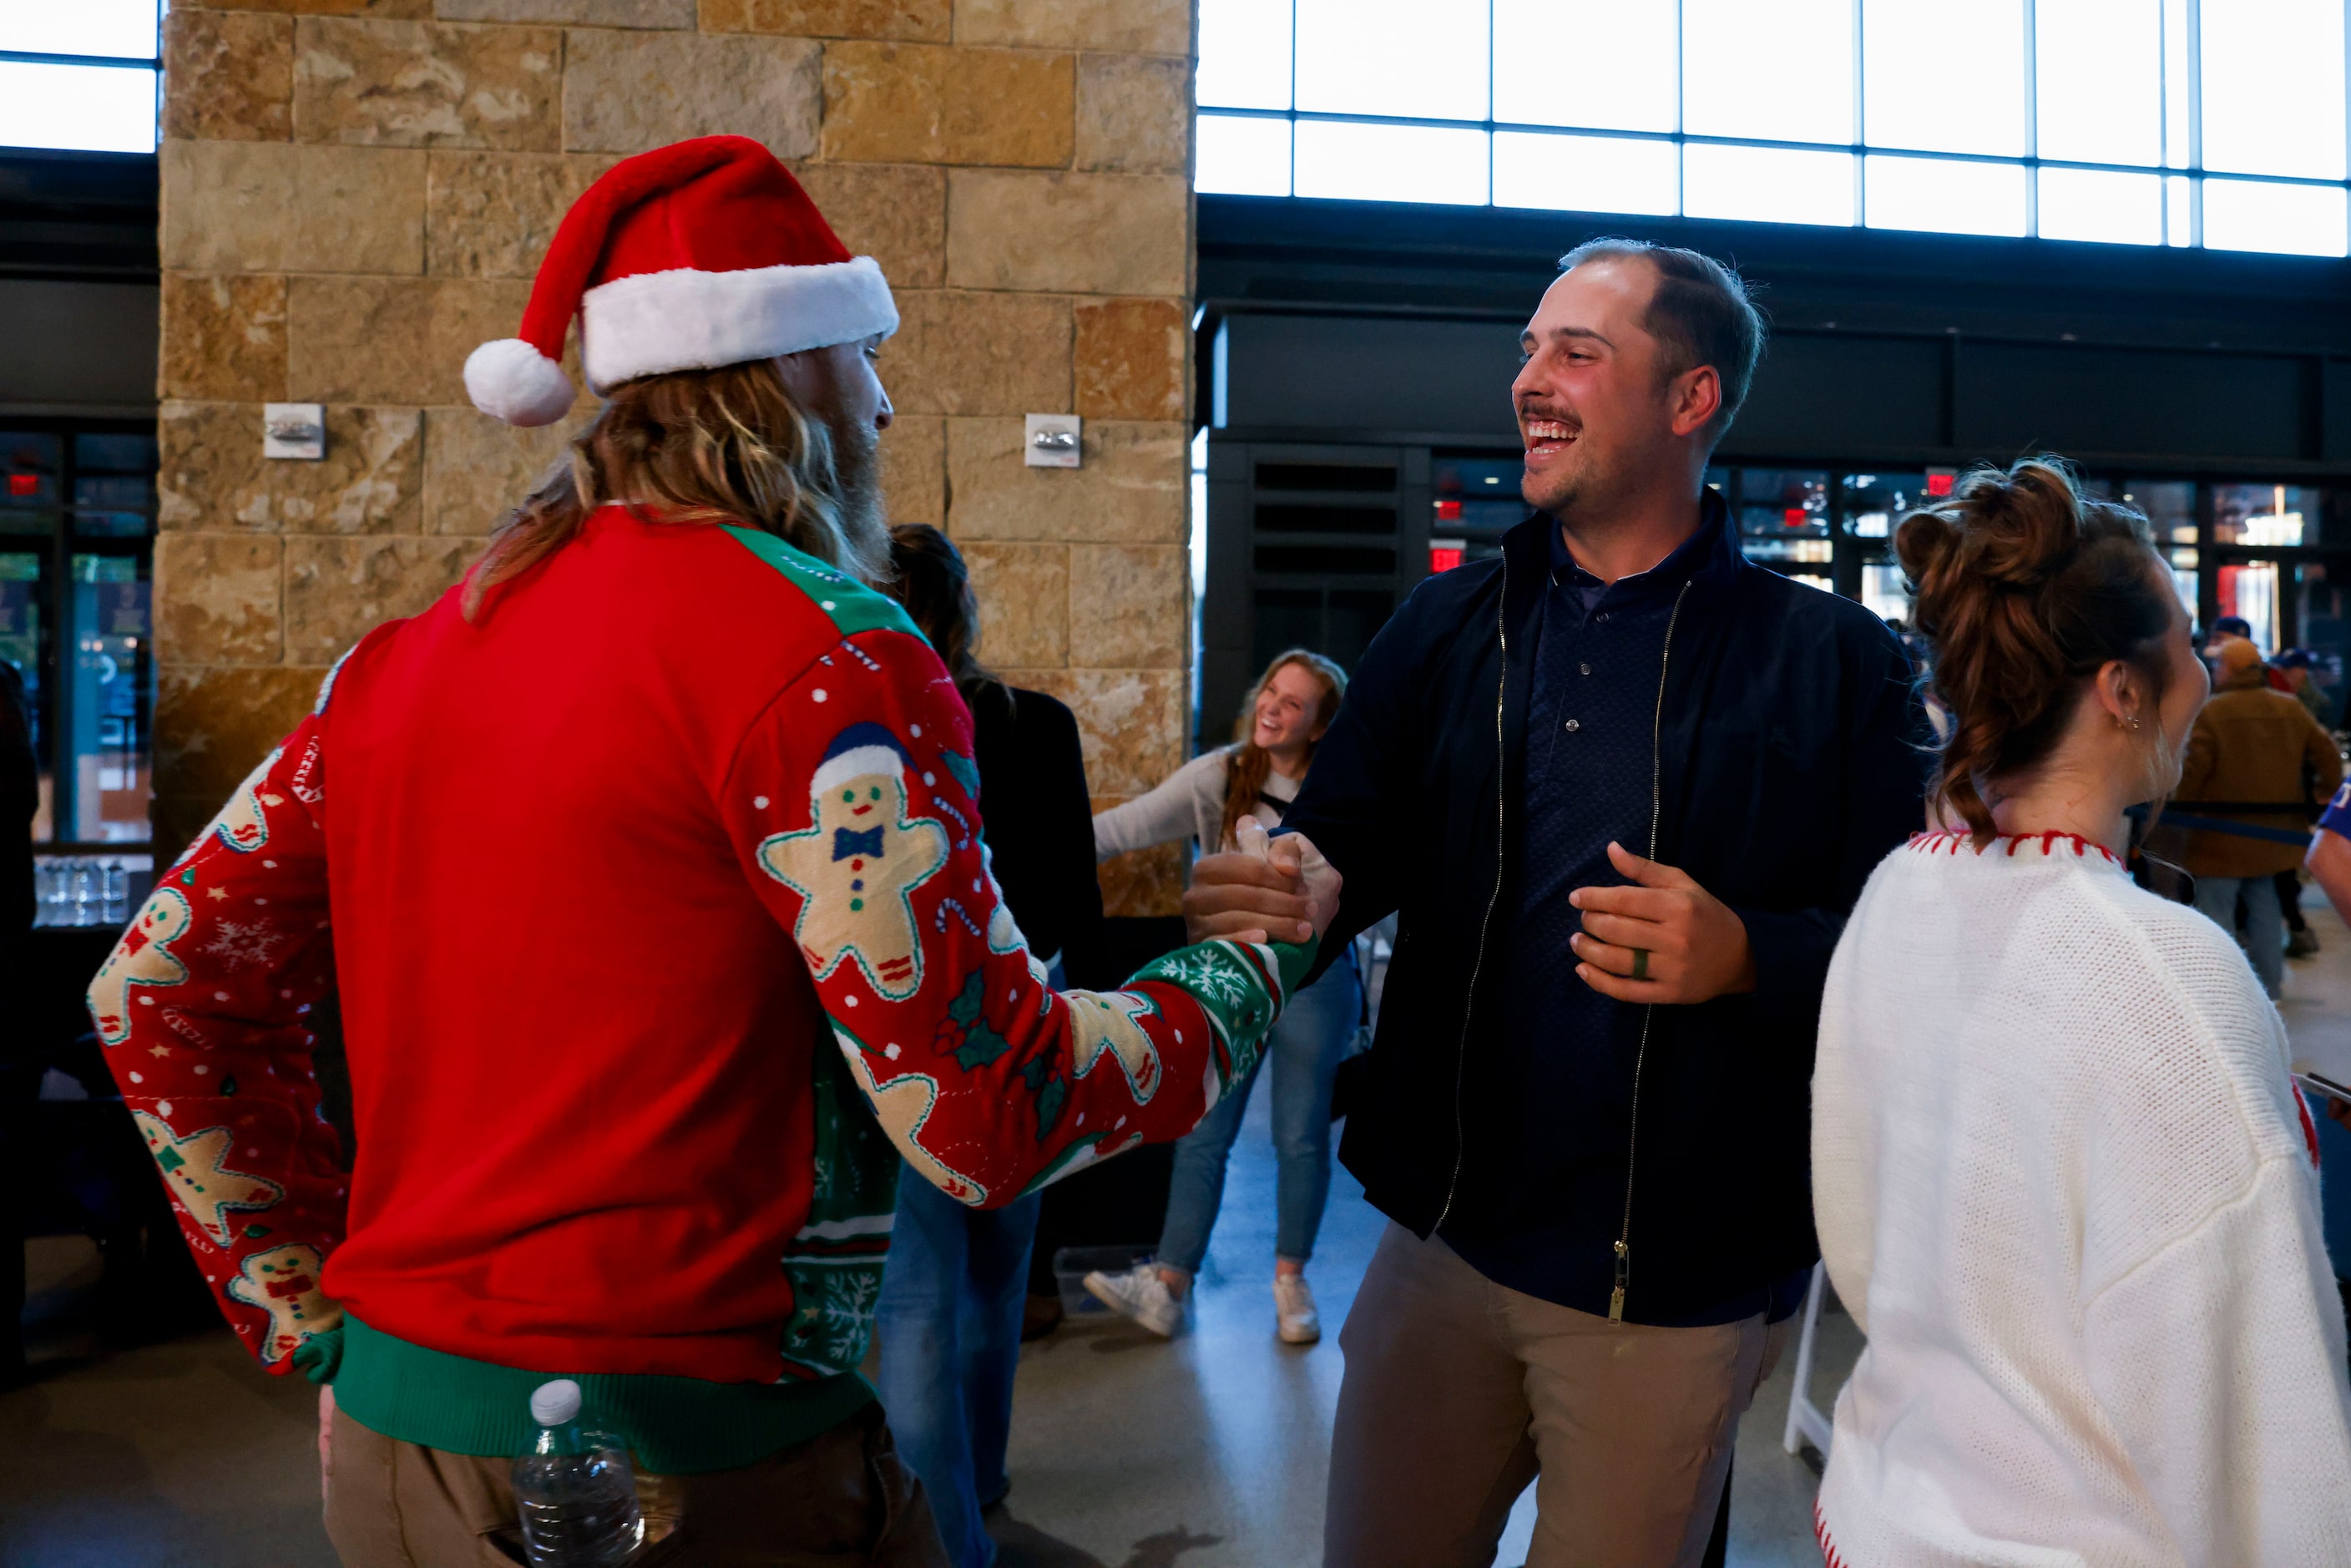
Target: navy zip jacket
column 1790, row 756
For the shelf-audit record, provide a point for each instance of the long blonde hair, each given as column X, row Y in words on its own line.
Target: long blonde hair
column 1246, row 773
column 729, row 445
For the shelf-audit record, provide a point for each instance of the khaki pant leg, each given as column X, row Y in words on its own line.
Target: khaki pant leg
column 391, row 1504
column 1430, row 1446
column 1633, row 1426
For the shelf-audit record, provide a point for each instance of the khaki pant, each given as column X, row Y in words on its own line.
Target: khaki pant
column 841, row 1498
column 1459, row 1392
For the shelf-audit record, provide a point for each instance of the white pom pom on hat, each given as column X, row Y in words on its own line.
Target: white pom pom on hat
column 511, row 381
column 701, row 253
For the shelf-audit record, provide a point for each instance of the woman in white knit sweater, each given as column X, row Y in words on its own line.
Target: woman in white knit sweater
column 2062, row 1179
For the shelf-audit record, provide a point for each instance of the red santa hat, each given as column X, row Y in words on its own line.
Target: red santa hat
column 699, row 255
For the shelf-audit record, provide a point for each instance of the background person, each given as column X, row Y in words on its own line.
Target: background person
column 950, row 1308
column 1282, row 722
column 1623, row 785
column 2065, row 1183
column 648, row 867
column 2253, row 746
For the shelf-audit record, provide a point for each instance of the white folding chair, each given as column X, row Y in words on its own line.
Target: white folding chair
column 1807, row 1421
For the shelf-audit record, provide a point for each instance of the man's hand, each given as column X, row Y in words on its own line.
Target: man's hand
column 1270, row 889
column 1665, row 940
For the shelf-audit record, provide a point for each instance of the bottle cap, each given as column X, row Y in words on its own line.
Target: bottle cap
column 553, row 1404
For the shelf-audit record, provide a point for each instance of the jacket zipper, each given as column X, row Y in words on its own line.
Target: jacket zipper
column 1501, row 792
column 1648, row 1013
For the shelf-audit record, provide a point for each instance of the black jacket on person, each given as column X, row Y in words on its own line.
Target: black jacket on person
column 1038, row 818
column 1789, row 759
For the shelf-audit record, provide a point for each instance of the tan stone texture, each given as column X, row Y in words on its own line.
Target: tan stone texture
column 1134, row 114
column 979, row 353
column 1130, row 357
column 1127, row 606
column 275, row 206
column 1134, row 488
column 928, row 103
column 478, row 470
column 626, row 92
column 919, row 20
column 1128, row 26
column 338, row 589
column 578, row 13
column 1080, row 233
column 223, row 337
column 1024, row 603
column 212, row 725
column 428, row 84
column 1147, row 882
column 1130, row 722
column 216, row 599
column 231, row 75
column 491, row 214
column 897, row 214
column 915, row 467
column 214, row 478
column 389, row 10
column 394, row 340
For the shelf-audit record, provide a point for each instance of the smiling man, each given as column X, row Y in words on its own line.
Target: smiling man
column 1623, row 786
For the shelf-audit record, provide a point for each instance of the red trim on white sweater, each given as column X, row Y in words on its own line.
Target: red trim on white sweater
column 1955, row 838
column 1829, row 1555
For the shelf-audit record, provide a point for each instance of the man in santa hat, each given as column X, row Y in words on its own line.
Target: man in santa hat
column 647, row 869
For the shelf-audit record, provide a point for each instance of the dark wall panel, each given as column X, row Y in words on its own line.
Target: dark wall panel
column 91, row 344
column 1354, row 373
column 1823, row 394
column 2334, row 429
column 2015, row 397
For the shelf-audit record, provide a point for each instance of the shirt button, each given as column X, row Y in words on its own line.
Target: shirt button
column 1573, row 726
column 1582, row 669
column 1602, row 616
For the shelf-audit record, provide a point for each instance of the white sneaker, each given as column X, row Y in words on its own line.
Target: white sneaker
column 1294, row 1317
column 1141, row 1294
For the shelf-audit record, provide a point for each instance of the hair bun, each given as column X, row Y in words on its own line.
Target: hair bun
column 1925, row 543
column 2023, row 527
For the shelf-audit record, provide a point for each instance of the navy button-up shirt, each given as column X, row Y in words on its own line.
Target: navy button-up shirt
column 1558, row 1069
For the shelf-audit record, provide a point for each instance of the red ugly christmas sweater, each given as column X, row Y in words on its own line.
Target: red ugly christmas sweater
column 660, row 928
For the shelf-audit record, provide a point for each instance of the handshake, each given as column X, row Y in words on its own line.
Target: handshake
column 1268, row 890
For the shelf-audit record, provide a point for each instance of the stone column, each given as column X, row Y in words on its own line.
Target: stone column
column 357, row 192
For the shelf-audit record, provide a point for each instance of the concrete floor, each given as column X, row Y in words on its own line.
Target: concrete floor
column 1127, row 1451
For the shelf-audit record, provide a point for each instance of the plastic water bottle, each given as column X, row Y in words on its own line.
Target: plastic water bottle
column 575, row 1490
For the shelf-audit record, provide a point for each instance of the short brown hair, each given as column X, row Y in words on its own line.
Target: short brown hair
column 934, row 585
column 1703, row 313
column 731, row 445
column 2025, row 590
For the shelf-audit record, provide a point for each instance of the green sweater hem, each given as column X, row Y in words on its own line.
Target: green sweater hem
column 673, row 1425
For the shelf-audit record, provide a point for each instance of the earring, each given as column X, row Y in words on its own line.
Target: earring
column 2130, row 723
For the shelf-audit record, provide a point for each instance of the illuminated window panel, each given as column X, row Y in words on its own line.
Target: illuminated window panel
column 96, row 108
column 1632, row 91
column 1781, row 72
column 2296, row 220
column 1243, row 155
column 1942, row 78
column 2100, row 204
column 1426, row 59
column 1360, row 162
column 1244, row 55
column 2099, row 76
column 124, row 28
column 1949, row 195
column 1767, row 185
column 1585, row 173
column 2273, row 76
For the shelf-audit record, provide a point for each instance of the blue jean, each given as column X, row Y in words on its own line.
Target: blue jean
column 949, row 1316
column 2264, row 937
column 1305, row 1048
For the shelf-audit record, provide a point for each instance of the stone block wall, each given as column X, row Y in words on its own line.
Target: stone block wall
column 357, row 192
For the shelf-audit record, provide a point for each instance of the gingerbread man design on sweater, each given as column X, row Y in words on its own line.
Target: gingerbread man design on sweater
column 858, row 864
column 244, row 823
column 1104, row 1024
column 283, row 1282
column 196, row 1167
column 144, row 957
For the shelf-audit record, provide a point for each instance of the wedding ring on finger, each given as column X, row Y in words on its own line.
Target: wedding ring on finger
column 1640, row 963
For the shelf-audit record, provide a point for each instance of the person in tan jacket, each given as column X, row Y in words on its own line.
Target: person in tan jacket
column 2252, row 744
